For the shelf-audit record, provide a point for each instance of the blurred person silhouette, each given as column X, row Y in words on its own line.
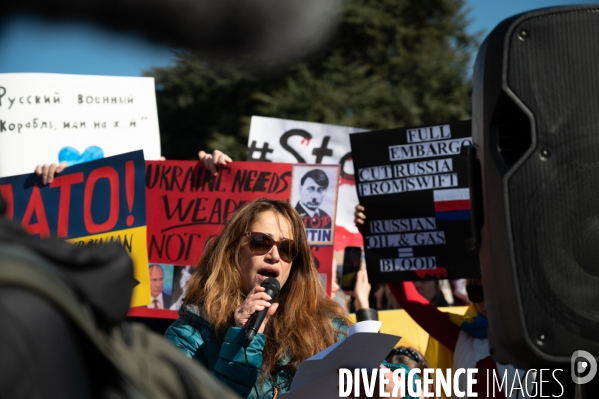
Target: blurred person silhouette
column 431, row 290
column 458, row 290
column 68, row 339
column 381, row 298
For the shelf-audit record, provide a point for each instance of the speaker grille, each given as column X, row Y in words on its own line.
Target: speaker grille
column 553, row 69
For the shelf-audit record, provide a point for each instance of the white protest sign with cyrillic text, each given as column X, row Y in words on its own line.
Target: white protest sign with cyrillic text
column 51, row 118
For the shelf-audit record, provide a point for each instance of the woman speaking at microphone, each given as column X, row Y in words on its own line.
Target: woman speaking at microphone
column 265, row 238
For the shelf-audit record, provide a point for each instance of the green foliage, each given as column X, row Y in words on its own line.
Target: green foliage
column 391, row 63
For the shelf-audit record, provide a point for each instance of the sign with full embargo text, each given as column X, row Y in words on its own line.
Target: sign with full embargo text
column 52, row 118
column 186, row 205
column 282, row 140
column 94, row 202
column 413, row 184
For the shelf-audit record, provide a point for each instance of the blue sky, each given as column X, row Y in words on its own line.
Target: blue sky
column 30, row 44
column 486, row 14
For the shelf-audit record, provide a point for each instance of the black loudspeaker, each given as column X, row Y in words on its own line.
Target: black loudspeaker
column 536, row 135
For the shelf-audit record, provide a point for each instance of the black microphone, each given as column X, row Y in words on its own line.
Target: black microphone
column 272, row 287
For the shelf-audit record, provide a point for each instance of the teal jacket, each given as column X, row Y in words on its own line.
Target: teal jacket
column 195, row 336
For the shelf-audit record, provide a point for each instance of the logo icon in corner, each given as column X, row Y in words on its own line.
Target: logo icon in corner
column 583, row 362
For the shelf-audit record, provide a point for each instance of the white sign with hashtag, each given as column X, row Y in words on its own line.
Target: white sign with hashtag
column 283, row 140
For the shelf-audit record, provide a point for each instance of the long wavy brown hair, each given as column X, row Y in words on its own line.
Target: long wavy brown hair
column 301, row 326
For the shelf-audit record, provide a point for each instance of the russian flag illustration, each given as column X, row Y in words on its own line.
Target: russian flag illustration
column 452, row 204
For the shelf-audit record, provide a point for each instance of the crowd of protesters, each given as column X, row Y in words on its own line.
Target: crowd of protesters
column 267, row 238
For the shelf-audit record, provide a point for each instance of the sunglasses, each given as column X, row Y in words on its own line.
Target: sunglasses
column 261, row 244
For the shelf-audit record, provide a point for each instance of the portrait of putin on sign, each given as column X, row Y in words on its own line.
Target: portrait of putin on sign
column 312, row 190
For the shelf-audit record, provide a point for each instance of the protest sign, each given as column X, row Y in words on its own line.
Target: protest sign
column 94, row 202
column 414, row 186
column 281, row 140
column 186, row 205
column 315, row 197
column 51, row 118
